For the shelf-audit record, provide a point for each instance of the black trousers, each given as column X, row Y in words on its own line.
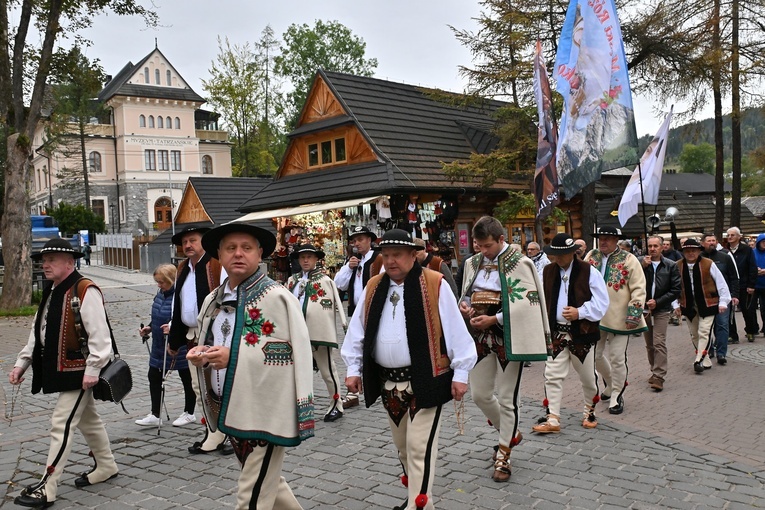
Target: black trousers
column 748, row 304
column 155, row 390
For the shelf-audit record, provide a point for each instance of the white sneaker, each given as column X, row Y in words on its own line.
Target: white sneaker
column 149, row 421
column 184, row 419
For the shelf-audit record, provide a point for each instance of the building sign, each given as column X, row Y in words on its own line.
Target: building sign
column 162, row 142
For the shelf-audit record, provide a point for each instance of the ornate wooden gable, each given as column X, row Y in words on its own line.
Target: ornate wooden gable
column 191, row 209
column 327, row 148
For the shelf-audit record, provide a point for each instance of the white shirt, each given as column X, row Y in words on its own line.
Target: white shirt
column 299, row 290
column 722, row 288
column 592, row 310
column 490, row 281
column 604, row 263
column 344, row 276
column 392, row 349
column 189, row 307
column 218, row 377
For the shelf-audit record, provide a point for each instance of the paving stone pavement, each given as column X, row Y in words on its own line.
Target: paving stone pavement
column 698, row 444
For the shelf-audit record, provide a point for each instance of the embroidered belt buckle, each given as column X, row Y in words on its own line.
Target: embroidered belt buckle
column 403, row 374
column 486, row 302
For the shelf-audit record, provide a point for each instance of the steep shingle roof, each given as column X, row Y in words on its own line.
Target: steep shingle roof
column 119, row 86
column 411, row 128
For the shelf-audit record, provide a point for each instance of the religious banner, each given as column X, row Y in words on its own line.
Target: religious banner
column 546, row 175
column 649, row 170
column 597, row 128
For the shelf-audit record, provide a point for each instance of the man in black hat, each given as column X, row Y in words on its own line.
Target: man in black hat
column 322, row 307
column 357, row 270
column 355, row 274
column 68, row 362
column 409, row 345
column 576, row 300
column 625, row 282
column 254, row 364
column 198, row 274
column 703, row 295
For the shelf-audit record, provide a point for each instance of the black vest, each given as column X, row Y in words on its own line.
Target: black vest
column 178, row 329
column 582, row 331
column 364, row 280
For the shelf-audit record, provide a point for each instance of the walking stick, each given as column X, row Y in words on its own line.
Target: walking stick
column 165, row 373
column 145, row 340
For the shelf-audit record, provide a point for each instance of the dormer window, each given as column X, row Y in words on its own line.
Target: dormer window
column 169, row 78
column 146, row 75
column 156, row 77
column 326, row 152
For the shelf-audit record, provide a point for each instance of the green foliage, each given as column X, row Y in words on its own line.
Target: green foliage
column 24, row 311
column 73, row 218
column 241, row 89
column 753, row 173
column 520, row 203
column 515, row 156
column 330, row 46
column 697, row 159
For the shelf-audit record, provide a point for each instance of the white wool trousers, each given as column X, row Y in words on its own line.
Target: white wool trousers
column 500, row 409
column 613, row 368
column 556, row 371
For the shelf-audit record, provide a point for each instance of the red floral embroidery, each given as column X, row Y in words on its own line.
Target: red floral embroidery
column 254, row 313
column 622, row 282
column 316, row 286
column 616, row 286
column 314, row 297
column 255, row 326
column 251, row 338
column 268, row 328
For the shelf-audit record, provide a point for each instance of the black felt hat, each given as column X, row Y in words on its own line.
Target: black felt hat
column 608, row 231
column 398, row 237
column 307, row 248
column 561, row 244
column 361, row 230
column 691, row 244
column 211, row 240
column 57, row 245
column 188, row 228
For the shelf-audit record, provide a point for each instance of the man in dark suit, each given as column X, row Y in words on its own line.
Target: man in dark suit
column 747, row 277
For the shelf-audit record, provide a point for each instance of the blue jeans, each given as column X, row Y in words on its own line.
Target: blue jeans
column 722, row 330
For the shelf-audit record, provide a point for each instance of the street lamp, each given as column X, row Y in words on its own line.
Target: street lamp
column 111, row 216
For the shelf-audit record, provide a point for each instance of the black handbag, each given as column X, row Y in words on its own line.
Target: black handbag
column 115, row 380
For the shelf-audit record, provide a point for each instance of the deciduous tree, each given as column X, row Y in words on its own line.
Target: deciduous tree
column 24, row 72
column 328, row 45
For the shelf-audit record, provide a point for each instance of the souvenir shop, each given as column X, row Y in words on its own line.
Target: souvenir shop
column 428, row 217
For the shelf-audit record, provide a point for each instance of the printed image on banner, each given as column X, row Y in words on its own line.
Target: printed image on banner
column 546, row 176
column 597, row 129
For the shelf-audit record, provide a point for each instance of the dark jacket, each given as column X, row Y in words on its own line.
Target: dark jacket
column 727, row 266
column 747, row 267
column 668, row 284
column 161, row 310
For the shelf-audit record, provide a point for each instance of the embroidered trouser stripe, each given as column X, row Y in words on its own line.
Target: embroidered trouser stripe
column 328, row 370
column 701, row 330
column 501, row 409
column 416, row 440
column 556, row 371
column 261, row 485
column 613, row 369
column 76, row 409
column 211, row 439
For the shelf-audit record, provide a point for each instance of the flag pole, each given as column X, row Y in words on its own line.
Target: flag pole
column 642, row 203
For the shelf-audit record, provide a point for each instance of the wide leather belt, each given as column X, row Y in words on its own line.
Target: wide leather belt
column 486, row 302
column 397, row 374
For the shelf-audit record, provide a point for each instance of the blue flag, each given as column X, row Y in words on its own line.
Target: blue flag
column 597, row 128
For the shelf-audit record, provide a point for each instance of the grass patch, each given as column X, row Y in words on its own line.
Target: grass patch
column 24, row 311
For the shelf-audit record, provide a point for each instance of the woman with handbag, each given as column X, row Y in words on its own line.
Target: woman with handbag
column 161, row 310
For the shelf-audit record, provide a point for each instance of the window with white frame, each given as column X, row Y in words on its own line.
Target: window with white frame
column 150, row 159
column 175, row 161
column 142, row 120
column 94, row 162
column 207, row 164
column 146, row 75
column 160, row 122
column 177, row 123
column 156, row 77
column 169, row 78
column 151, row 121
column 169, row 123
column 164, row 161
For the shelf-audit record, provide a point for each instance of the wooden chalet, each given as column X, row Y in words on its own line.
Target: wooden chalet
column 358, row 139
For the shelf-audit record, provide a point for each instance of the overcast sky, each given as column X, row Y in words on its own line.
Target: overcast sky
column 411, row 39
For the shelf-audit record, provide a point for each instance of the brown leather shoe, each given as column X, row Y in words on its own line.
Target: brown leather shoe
column 350, row 400
column 502, row 470
column 590, row 423
column 657, row 385
column 546, row 428
column 651, row 379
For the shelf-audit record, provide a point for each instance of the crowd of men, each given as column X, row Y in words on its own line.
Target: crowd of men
column 415, row 340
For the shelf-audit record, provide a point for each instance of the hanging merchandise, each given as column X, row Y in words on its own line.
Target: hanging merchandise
column 383, row 209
